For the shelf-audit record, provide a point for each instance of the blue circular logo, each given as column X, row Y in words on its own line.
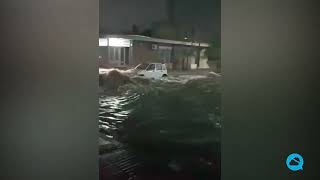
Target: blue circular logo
column 295, row 162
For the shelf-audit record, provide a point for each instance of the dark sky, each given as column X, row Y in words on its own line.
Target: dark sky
column 117, row 16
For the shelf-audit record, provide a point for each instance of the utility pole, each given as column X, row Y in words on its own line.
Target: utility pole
column 198, row 55
column 192, row 40
column 190, row 49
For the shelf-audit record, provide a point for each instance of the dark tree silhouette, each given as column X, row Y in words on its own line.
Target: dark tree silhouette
column 135, row 29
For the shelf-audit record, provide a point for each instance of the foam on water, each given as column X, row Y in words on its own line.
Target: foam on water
column 181, row 110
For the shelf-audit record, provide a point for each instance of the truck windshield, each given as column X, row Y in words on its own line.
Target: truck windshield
column 142, row 66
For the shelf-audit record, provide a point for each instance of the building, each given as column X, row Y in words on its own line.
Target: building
column 124, row 51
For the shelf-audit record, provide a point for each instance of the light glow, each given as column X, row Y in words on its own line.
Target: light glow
column 103, row 42
column 119, row 42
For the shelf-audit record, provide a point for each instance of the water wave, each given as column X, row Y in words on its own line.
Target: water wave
column 178, row 110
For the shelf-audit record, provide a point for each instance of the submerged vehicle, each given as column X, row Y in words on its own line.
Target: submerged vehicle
column 152, row 70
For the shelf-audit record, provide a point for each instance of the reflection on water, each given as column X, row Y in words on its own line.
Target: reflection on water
column 174, row 121
column 114, row 111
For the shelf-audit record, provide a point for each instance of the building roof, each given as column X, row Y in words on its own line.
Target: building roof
column 157, row 40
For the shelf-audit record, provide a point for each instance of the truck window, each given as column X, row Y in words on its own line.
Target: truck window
column 151, row 67
column 164, row 67
column 158, row 67
column 142, row 66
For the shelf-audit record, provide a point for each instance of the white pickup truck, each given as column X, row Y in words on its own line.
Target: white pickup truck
column 152, row 70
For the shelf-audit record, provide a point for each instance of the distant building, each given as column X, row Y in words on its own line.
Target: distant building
column 125, row 51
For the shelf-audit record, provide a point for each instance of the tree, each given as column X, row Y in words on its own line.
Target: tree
column 135, row 29
column 147, row 32
column 164, row 30
column 214, row 55
column 213, row 51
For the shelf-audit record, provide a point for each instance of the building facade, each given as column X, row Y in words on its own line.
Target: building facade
column 126, row 51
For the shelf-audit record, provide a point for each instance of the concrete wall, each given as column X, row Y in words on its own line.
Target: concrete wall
column 142, row 52
column 184, row 57
column 203, row 63
column 103, row 57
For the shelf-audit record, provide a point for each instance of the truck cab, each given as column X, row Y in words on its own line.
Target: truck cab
column 152, row 70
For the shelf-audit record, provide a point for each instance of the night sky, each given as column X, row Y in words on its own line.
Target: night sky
column 117, row 16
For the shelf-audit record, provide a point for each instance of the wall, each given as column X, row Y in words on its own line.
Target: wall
column 49, row 127
column 142, row 52
column 203, row 63
column 103, row 57
column 185, row 56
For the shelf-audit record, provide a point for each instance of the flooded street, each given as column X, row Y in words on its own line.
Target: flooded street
column 168, row 128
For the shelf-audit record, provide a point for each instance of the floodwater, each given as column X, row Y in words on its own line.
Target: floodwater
column 163, row 129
